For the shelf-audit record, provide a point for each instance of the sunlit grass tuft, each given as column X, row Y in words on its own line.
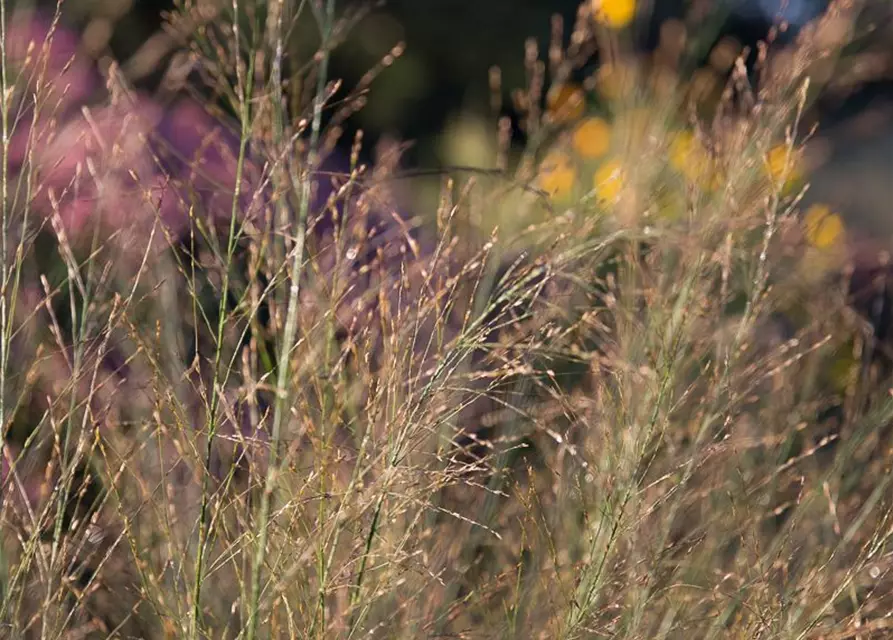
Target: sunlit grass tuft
column 625, row 389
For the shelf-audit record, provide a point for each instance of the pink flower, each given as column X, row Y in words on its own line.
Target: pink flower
column 47, row 63
column 98, row 169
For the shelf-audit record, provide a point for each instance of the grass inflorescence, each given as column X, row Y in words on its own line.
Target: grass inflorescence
column 626, row 385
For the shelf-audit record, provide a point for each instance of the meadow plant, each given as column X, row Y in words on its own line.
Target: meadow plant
column 246, row 391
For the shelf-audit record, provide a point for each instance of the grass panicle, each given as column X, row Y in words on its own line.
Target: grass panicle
column 628, row 385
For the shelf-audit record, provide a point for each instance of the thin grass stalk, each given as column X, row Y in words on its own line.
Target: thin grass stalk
column 4, row 200
column 4, row 313
column 85, row 433
column 875, row 419
column 245, row 87
column 745, row 326
column 8, row 297
column 69, row 462
column 291, row 326
column 589, row 586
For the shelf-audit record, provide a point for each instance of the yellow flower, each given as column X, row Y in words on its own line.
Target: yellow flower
column 782, row 164
column 686, row 153
column 690, row 158
column 592, row 138
column 557, row 175
column 615, row 14
column 566, row 103
column 823, row 228
column 608, row 180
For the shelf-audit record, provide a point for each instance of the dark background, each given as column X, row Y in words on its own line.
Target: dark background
column 451, row 45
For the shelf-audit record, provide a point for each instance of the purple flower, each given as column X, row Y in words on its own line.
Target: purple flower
column 97, row 169
column 200, row 153
column 48, row 63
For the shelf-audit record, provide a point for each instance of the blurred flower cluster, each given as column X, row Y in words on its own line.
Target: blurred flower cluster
column 111, row 157
column 99, row 168
column 96, row 167
column 666, row 134
column 695, row 140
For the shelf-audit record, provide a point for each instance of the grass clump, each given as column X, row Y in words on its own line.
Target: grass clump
column 627, row 390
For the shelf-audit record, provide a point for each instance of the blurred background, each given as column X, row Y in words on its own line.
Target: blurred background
column 437, row 94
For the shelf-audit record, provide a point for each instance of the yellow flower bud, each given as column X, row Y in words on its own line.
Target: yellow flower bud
column 557, row 175
column 689, row 157
column 615, row 14
column 608, row 181
column 823, row 228
column 592, row 138
column 782, row 164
